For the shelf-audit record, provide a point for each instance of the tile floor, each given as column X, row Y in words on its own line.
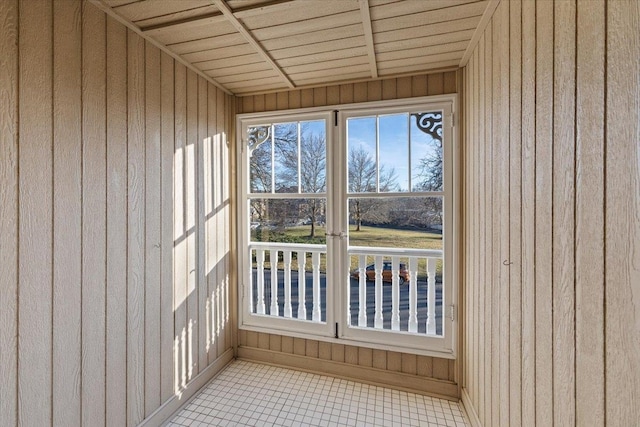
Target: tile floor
column 251, row 394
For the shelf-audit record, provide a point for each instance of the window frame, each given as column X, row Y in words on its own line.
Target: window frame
column 337, row 226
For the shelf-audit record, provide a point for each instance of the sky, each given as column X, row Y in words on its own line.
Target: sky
column 394, row 143
column 402, row 144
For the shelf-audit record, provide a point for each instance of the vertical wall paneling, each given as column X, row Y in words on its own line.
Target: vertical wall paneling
column 153, row 211
column 294, row 99
column 117, row 194
column 35, row 213
column 9, row 211
column 515, row 211
column 167, row 150
column 210, row 231
column 502, row 91
column 563, row 213
column 571, row 117
column 543, row 213
column 220, row 229
column 622, row 210
column 93, row 215
column 306, row 100
column 67, row 212
column 94, row 299
column 201, row 243
column 179, row 237
column 483, row 398
column 228, row 172
column 490, row 332
column 136, row 228
column 589, row 211
column 191, row 227
column 473, row 292
column 528, row 209
column 466, row 353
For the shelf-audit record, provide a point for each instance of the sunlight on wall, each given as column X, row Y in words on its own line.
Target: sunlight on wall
column 200, row 253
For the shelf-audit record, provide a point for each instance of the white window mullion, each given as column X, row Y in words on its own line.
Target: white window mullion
column 299, row 159
column 409, row 151
column 273, row 159
column 377, row 154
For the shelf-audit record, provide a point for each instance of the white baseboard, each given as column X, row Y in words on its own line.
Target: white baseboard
column 472, row 415
column 397, row 380
column 165, row 412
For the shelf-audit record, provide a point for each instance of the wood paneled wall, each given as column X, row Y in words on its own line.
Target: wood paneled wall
column 114, row 220
column 552, row 201
column 395, row 88
column 317, row 353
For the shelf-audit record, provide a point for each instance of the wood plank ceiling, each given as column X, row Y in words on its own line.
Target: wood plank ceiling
column 254, row 46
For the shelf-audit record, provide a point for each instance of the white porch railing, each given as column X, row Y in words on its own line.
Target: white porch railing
column 287, row 251
column 417, row 264
column 398, row 299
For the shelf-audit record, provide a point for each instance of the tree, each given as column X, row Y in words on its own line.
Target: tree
column 310, row 163
column 362, row 179
column 431, row 173
column 260, row 168
column 431, row 168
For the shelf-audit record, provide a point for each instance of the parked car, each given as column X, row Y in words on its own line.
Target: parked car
column 387, row 274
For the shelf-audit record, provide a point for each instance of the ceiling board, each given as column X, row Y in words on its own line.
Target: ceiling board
column 382, row 11
column 421, row 52
column 249, row 46
column 238, row 69
column 224, row 52
column 327, row 65
column 298, row 13
column 418, row 68
column 257, row 85
column 208, row 43
column 421, row 42
column 311, row 38
column 324, row 56
column 244, row 77
column 427, row 30
column 421, row 61
column 187, row 15
column 338, row 76
column 315, row 48
column 195, row 30
column 313, row 24
column 140, row 11
column 432, row 16
column 115, row 3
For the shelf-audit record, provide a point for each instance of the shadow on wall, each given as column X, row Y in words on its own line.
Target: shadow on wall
column 201, row 257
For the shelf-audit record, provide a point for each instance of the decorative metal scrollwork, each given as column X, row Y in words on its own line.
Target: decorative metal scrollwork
column 430, row 123
column 257, row 135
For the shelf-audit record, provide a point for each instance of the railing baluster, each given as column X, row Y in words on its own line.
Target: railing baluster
column 431, row 296
column 362, row 291
column 349, row 296
column 413, row 295
column 302, row 308
column 315, row 260
column 395, row 295
column 249, row 291
column 260, row 276
column 273, row 261
column 378, row 319
column 286, row 255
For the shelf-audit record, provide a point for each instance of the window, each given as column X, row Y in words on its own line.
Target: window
column 347, row 224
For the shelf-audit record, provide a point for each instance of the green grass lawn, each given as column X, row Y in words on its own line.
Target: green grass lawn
column 367, row 236
column 394, row 238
